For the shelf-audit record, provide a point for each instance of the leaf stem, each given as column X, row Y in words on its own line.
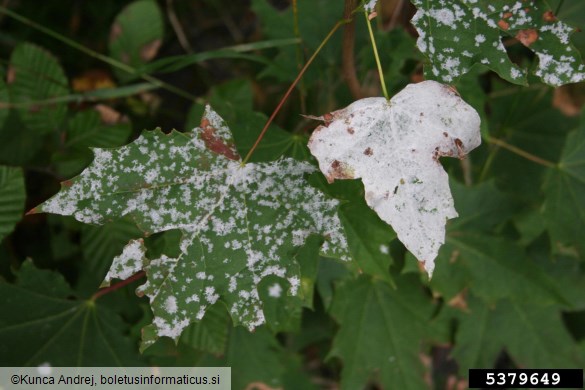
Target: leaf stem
column 178, row 28
column 521, row 152
column 108, row 60
column 559, row 7
column 378, row 64
column 118, row 286
column 290, row 89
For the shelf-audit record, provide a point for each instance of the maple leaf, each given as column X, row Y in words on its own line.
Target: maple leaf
column 394, row 147
column 239, row 223
column 455, row 35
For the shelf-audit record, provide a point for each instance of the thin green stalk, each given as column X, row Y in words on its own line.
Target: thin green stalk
column 290, row 89
column 96, row 55
column 522, row 153
column 378, row 64
column 559, row 7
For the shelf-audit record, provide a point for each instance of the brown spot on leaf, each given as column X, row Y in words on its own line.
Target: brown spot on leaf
column 327, row 119
column 32, row 211
column 125, row 57
column 445, row 134
column 67, row 183
column 569, row 99
column 149, row 51
column 10, row 75
column 91, row 80
column 115, row 32
column 459, row 301
column 527, row 37
column 109, row 116
column 454, row 256
column 339, row 170
column 350, row 130
column 503, row 24
column 459, row 145
column 549, row 16
column 507, row 15
column 215, row 143
column 368, row 152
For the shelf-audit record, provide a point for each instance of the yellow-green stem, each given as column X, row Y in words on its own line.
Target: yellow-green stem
column 378, row 64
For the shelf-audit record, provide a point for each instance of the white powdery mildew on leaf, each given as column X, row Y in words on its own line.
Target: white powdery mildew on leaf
column 457, row 34
column 394, row 148
column 129, row 262
column 370, row 5
column 239, row 223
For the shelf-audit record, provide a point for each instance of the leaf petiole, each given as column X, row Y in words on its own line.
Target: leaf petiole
column 521, row 153
column 117, row 286
column 292, row 86
column 378, row 64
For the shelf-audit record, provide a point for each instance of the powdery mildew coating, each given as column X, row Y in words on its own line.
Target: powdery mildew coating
column 456, row 34
column 370, row 5
column 239, row 223
column 394, row 148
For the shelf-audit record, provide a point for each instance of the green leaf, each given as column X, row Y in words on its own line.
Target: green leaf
column 57, row 329
column 136, row 36
column 239, row 223
column 99, row 245
column 480, row 208
column 380, row 334
column 211, row 334
column 34, row 76
column 533, row 335
column 4, row 99
column 564, row 208
column 235, row 101
column 526, row 119
column 493, row 268
column 459, row 34
column 254, row 357
column 12, row 196
column 368, row 238
column 279, row 24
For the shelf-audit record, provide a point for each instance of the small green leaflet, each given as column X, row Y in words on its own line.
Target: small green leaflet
column 455, row 35
column 240, row 223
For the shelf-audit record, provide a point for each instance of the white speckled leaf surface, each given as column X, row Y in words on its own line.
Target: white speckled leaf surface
column 457, row 34
column 394, row 148
column 239, row 223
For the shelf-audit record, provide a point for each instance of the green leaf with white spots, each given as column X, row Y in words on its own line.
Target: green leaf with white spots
column 456, row 35
column 239, row 223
